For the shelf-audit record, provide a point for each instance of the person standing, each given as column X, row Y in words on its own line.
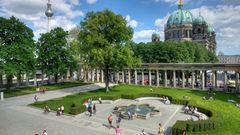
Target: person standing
column 44, row 132
column 118, row 131
column 161, row 129
column 110, row 118
column 94, row 108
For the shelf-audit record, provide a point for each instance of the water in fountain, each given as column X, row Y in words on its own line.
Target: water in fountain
column 137, row 108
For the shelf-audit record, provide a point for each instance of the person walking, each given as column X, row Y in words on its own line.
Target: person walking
column 118, row 131
column 118, row 120
column 161, row 129
column 110, row 118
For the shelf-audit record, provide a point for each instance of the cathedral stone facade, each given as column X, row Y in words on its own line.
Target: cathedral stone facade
column 182, row 25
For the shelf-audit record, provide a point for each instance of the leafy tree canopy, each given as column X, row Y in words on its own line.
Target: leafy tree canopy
column 16, row 48
column 173, row 52
column 54, row 56
column 103, row 40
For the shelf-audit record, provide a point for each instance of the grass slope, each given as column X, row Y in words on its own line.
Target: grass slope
column 32, row 89
column 230, row 113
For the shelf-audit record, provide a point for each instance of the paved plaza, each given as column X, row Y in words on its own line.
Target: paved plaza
column 16, row 117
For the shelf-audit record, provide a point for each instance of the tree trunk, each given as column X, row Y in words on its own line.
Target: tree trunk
column 42, row 77
column 19, row 80
column 1, row 81
column 56, row 78
column 9, row 81
column 27, row 79
column 106, row 71
column 49, row 79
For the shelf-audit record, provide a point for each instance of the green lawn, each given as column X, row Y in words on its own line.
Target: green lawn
column 230, row 113
column 32, row 89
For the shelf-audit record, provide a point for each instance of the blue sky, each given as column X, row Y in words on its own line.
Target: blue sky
column 145, row 16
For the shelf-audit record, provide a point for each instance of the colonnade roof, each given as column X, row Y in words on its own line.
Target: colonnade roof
column 191, row 66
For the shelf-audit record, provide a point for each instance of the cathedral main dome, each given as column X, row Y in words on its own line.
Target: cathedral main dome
column 183, row 26
column 180, row 17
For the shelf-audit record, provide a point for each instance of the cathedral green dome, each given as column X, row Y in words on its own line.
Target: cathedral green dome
column 210, row 29
column 199, row 20
column 180, row 17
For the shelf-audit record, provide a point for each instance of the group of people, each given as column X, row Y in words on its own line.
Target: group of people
column 210, row 98
column 46, row 109
column 60, row 111
column 192, row 110
column 91, row 108
column 118, row 129
column 166, row 100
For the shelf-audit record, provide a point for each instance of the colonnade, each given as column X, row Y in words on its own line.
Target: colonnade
column 171, row 76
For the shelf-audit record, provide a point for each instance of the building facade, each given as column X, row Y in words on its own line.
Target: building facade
column 229, row 59
column 155, row 37
column 182, row 25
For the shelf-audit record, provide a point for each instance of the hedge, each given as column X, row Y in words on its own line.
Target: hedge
column 213, row 123
column 177, row 129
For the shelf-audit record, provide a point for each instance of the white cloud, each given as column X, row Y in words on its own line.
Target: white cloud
column 131, row 22
column 33, row 12
column 143, row 35
column 225, row 19
column 172, row 2
column 91, row 1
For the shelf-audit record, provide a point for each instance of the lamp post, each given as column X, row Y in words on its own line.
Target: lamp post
column 49, row 14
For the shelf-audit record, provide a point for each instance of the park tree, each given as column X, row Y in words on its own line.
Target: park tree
column 16, row 49
column 173, row 52
column 103, row 39
column 54, row 56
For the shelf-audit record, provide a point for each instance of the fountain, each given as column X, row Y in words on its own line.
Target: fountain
column 141, row 111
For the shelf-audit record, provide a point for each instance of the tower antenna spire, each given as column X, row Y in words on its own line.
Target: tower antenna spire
column 180, row 4
column 49, row 14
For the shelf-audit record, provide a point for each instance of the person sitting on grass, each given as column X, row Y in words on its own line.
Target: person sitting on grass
column 238, row 104
column 186, row 109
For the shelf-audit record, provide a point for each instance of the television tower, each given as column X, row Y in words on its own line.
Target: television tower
column 49, row 14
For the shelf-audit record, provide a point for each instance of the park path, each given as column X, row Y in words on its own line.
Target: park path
column 16, row 117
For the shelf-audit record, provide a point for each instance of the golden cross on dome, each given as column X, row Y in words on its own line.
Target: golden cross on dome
column 180, row 4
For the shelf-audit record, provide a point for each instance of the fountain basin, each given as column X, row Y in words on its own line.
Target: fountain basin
column 142, row 111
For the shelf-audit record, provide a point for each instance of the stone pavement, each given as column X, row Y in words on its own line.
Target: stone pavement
column 17, row 118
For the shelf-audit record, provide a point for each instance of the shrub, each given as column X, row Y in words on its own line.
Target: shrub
column 75, row 110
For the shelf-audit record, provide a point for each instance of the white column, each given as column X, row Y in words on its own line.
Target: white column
column 97, row 75
column 117, row 77
column 157, row 77
column 174, row 78
column 102, row 76
column 2, row 96
column 183, row 79
column 150, row 77
column 225, row 80
column 213, row 79
column 135, row 76
column 142, row 77
column 237, row 82
column 193, row 80
column 203, row 80
column 165, row 78
column 123, row 77
column 35, row 79
column 129, row 76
